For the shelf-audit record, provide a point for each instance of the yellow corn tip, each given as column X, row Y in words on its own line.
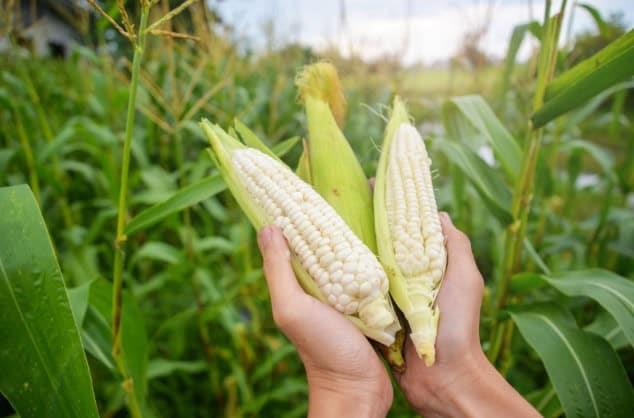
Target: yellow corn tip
column 349, row 276
column 321, row 81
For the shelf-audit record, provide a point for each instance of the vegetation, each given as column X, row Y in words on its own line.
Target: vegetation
column 152, row 269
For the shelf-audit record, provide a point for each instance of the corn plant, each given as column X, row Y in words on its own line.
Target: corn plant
column 539, row 179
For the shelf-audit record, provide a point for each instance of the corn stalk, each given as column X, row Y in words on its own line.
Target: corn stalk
column 523, row 194
column 121, row 238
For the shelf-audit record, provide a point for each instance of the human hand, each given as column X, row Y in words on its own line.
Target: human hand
column 461, row 382
column 345, row 375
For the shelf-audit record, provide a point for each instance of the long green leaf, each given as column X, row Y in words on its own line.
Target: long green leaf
column 44, row 369
column 183, row 198
column 589, row 108
column 517, row 37
column 596, row 16
column 605, row 326
column 613, row 292
column 134, row 344
column 600, row 155
column 479, row 117
column 198, row 191
column 611, row 65
column 162, row 367
column 588, row 376
column 487, row 182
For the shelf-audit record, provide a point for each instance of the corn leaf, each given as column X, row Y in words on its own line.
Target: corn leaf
column 593, row 105
column 606, row 326
column 611, row 65
column 44, row 369
column 97, row 329
column 596, row 16
column 162, row 367
column 183, row 198
column 586, row 373
column 465, row 116
column 201, row 190
column 487, row 182
column 546, row 401
column 517, row 37
column 613, row 292
column 603, row 158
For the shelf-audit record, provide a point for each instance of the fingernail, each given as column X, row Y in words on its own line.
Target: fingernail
column 265, row 236
column 446, row 217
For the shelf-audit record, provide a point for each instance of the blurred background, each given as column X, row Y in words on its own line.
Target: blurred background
column 197, row 310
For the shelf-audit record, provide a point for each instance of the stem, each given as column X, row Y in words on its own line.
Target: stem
column 523, row 194
column 121, row 238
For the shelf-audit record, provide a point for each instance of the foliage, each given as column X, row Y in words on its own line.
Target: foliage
column 198, row 338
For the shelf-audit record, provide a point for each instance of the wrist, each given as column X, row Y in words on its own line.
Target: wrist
column 446, row 391
column 482, row 391
column 334, row 397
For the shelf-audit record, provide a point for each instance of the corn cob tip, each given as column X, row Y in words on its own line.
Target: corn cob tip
column 321, row 81
column 424, row 338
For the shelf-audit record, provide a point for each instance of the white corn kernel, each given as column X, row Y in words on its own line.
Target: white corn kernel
column 347, row 273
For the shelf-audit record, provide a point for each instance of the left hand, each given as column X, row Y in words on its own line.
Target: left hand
column 345, row 375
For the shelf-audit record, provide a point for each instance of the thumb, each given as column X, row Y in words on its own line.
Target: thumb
column 286, row 293
column 462, row 278
column 460, row 259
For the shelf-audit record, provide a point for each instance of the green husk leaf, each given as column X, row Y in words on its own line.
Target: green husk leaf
column 335, row 171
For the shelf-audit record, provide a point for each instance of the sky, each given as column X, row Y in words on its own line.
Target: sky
column 419, row 31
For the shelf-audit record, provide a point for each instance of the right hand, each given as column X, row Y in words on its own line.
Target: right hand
column 461, row 382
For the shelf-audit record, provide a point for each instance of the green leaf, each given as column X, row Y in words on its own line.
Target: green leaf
column 134, row 344
column 526, row 282
column 593, row 105
column 600, row 155
column 611, row 65
column 78, row 298
column 251, row 139
column 158, row 251
column 613, row 292
column 5, row 158
column 517, row 37
column 546, row 401
column 44, row 369
column 163, row 367
column 596, row 16
column 491, row 188
column 588, row 376
column 605, row 326
column 468, row 113
column 192, row 194
column 183, row 198
column 283, row 147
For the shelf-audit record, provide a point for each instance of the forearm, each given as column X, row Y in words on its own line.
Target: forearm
column 479, row 392
column 325, row 403
column 331, row 396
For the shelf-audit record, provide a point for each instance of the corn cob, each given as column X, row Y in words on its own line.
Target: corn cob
column 409, row 234
column 329, row 164
column 330, row 261
column 340, row 180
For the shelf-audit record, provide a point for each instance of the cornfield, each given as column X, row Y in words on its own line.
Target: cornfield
column 130, row 280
